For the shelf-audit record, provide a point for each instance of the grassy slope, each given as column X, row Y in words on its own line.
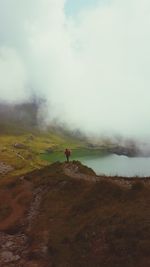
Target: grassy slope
column 35, row 145
column 18, row 122
column 87, row 224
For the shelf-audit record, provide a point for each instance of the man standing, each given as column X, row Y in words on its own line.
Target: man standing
column 67, row 153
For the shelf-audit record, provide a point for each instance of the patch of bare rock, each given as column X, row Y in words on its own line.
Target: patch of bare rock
column 5, row 168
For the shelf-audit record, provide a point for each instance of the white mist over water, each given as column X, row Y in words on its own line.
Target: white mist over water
column 93, row 68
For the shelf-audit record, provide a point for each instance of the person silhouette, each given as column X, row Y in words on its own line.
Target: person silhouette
column 67, row 154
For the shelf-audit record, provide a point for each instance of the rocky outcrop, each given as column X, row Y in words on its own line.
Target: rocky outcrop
column 5, row 168
column 19, row 146
column 12, row 248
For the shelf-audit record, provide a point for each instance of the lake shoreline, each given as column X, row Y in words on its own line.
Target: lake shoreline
column 104, row 163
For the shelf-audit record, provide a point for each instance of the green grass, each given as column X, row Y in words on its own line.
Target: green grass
column 35, row 145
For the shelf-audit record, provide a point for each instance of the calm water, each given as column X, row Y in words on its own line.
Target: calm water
column 119, row 165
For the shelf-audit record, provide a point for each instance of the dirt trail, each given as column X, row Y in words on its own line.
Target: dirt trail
column 16, row 208
column 14, row 246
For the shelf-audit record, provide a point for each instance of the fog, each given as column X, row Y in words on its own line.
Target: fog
column 92, row 67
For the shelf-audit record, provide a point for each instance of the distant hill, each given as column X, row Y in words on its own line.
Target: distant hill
column 27, row 117
column 20, row 118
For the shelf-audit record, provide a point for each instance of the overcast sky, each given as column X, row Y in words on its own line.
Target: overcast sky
column 91, row 61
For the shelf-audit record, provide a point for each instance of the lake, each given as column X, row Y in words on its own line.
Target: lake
column 119, row 165
column 103, row 163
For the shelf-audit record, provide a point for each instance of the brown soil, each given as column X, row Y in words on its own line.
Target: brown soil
column 17, row 209
column 66, row 216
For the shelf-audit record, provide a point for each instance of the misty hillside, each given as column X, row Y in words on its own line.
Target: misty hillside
column 29, row 117
column 24, row 137
column 74, row 75
column 19, row 118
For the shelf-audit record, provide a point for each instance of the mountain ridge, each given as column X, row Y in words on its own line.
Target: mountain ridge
column 70, row 219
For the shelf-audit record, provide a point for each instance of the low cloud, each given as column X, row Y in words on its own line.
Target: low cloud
column 92, row 68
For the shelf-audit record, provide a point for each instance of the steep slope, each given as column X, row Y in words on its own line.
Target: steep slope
column 65, row 215
column 23, row 153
